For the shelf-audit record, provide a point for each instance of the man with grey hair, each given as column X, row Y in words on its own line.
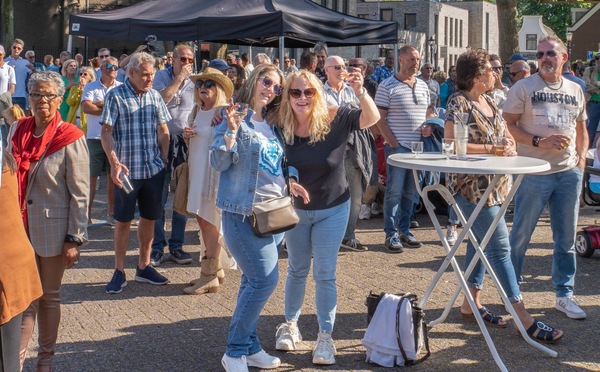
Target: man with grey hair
column 320, row 50
column 135, row 138
column 102, row 54
column 519, row 70
column 37, row 66
column 177, row 90
column 261, row 58
column 545, row 114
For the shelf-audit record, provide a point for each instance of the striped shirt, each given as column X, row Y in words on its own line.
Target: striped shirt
column 135, row 120
column 406, row 108
column 346, row 96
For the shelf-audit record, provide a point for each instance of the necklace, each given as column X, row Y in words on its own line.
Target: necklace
column 549, row 87
column 41, row 134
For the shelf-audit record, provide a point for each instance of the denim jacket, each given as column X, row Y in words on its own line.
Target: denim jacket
column 238, row 167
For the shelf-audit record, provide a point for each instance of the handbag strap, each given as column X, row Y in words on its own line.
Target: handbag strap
column 417, row 318
column 284, row 161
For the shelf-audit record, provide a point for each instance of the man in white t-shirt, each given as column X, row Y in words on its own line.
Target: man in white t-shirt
column 177, row 90
column 92, row 103
column 546, row 115
column 7, row 75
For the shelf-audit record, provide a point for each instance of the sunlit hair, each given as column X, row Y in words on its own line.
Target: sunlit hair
column 46, row 77
column 16, row 112
column 159, row 64
column 553, row 38
column 246, row 94
column 137, row 59
column 320, row 123
column 470, row 65
column 220, row 100
column 63, row 70
column 90, row 71
column 179, row 50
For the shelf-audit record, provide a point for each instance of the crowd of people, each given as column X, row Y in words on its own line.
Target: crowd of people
column 249, row 132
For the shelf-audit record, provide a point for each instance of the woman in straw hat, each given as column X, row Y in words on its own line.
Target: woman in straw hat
column 212, row 91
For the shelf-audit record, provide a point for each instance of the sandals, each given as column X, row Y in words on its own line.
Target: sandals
column 545, row 333
column 488, row 317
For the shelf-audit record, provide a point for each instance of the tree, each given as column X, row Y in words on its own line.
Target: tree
column 7, row 22
column 508, row 29
column 556, row 16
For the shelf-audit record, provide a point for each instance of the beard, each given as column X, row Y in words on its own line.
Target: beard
column 548, row 68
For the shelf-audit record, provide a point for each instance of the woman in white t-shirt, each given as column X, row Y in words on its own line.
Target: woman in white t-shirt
column 212, row 90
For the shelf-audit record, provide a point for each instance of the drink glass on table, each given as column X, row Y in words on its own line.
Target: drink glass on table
column 461, row 134
column 447, row 147
column 416, row 147
column 498, row 145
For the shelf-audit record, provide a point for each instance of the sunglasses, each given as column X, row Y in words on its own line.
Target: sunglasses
column 205, row 83
column 31, row 57
column 83, row 74
column 308, row 93
column 268, row 83
column 513, row 74
column 110, row 66
column 550, row 53
column 17, row 47
column 186, row 60
column 104, row 56
column 37, row 97
column 497, row 68
column 338, row 67
column 355, row 65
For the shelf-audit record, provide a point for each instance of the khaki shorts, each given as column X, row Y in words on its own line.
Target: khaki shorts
column 98, row 159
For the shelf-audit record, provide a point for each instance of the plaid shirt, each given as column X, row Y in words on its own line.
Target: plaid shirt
column 381, row 73
column 134, row 120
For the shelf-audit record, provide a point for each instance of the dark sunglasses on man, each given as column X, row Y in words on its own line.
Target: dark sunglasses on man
column 110, row 66
column 550, row 53
column 186, row 60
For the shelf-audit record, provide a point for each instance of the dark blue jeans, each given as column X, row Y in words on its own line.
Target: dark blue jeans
column 178, row 223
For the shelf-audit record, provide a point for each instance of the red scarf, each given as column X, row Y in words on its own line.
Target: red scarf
column 27, row 149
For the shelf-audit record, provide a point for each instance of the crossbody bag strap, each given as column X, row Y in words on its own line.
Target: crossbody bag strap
column 284, row 161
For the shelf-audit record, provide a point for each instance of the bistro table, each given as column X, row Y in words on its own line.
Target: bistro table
column 474, row 164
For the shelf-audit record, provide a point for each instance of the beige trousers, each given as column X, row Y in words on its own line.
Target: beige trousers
column 47, row 310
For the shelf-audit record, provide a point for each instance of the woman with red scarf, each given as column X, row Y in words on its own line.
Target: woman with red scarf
column 53, row 174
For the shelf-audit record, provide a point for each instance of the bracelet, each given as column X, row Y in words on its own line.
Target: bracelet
column 364, row 91
column 230, row 133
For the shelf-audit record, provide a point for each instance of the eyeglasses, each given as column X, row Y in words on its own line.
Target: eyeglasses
column 338, row 67
column 110, row 66
column 355, row 65
column 83, row 74
column 428, row 68
column 497, row 68
column 16, row 47
column 513, row 74
column 186, row 59
column 308, row 93
column 205, row 83
column 31, row 57
column 37, row 96
column 268, row 83
column 550, row 53
column 104, row 56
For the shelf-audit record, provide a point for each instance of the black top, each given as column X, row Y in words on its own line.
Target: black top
column 321, row 165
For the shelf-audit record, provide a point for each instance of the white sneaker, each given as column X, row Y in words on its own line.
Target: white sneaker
column 288, row 335
column 110, row 220
column 365, row 212
column 569, row 306
column 324, row 351
column 234, row 364
column 375, row 210
column 451, row 235
column 263, row 360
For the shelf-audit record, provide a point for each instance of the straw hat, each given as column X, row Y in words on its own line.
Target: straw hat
column 217, row 76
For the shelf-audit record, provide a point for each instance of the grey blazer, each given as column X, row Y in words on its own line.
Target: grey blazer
column 57, row 204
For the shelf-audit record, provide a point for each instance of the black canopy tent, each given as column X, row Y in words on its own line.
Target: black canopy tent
column 300, row 23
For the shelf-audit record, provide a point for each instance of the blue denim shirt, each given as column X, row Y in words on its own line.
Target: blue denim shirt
column 238, row 167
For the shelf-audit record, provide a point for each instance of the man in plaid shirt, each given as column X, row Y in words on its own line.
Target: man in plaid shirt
column 135, row 138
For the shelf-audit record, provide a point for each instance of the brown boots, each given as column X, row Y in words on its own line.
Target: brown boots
column 211, row 275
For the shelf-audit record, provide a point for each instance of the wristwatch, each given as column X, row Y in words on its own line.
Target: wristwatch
column 536, row 141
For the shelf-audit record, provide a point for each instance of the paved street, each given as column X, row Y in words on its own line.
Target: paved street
column 159, row 328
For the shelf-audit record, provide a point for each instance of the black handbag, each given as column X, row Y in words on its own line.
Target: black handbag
column 421, row 337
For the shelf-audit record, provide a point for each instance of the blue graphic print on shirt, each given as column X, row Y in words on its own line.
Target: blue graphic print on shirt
column 270, row 156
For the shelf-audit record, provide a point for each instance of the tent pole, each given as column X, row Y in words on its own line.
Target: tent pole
column 396, row 57
column 281, row 51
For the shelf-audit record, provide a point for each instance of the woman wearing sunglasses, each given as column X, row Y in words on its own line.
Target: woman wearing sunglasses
column 76, row 115
column 70, row 79
column 249, row 156
column 316, row 137
column 212, row 91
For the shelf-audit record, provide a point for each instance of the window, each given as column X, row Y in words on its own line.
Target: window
column 531, row 42
column 456, row 32
column 334, row 5
column 487, row 31
column 410, row 21
column 451, row 32
column 345, row 6
column 386, row 14
column 445, row 30
column 460, row 37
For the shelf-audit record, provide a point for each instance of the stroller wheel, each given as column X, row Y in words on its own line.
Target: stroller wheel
column 583, row 244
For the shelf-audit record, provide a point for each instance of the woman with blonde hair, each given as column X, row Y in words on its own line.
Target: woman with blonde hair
column 76, row 115
column 212, row 92
column 315, row 142
column 70, row 79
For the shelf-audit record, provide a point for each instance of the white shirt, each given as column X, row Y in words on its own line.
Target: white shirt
column 7, row 76
column 95, row 91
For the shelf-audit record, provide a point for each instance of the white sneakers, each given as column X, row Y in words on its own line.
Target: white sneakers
column 260, row 360
column 263, row 360
column 324, row 351
column 288, row 335
column 569, row 306
column 451, row 235
column 365, row 212
column 375, row 210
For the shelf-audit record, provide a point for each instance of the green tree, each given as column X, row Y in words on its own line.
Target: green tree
column 6, row 22
column 557, row 15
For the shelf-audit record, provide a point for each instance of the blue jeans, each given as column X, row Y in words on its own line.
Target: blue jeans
column 593, row 112
column 178, row 223
column 257, row 258
column 355, row 185
column 401, row 195
column 318, row 235
column 561, row 192
column 497, row 250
